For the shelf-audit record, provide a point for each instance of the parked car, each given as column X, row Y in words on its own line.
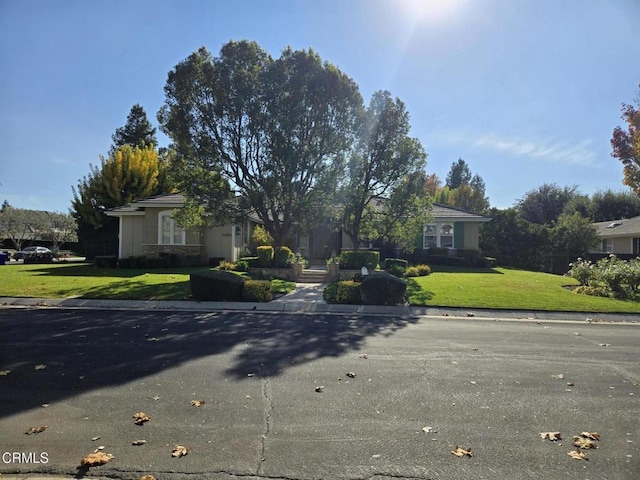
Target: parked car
column 29, row 251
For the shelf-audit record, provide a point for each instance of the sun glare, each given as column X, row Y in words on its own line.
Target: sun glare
column 431, row 10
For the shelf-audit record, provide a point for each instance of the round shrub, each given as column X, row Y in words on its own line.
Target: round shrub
column 348, row 291
column 241, row 266
column 265, row 256
column 283, row 257
column 396, row 270
column 383, row 289
column 330, row 293
column 257, row 291
column 418, row 271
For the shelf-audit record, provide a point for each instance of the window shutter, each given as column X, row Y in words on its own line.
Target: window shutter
column 458, row 235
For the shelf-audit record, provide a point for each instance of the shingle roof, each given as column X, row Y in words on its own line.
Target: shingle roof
column 619, row 228
column 445, row 212
column 171, row 200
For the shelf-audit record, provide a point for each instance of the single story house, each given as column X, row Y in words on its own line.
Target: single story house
column 619, row 236
column 147, row 228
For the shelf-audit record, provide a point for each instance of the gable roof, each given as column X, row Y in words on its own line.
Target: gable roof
column 169, row 201
column 451, row 214
column 619, row 228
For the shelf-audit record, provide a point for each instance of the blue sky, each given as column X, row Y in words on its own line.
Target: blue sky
column 525, row 91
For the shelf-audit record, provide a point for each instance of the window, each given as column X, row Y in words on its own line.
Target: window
column 636, row 246
column 607, row 245
column 438, row 235
column 169, row 231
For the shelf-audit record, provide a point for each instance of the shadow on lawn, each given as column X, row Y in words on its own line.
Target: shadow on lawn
column 85, row 350
column 88, row 270
column 451, row 269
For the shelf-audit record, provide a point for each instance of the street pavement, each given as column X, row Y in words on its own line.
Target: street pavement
column 323, row 395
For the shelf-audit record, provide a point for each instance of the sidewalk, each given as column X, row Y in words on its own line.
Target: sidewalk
column 307, row 298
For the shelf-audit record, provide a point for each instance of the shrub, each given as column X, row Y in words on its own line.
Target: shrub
column 396, row 270
column 616, row 277
column 355, row 260
column 330, row 293
column 157, row 262
column 253, row 262
column 418, row 271
column 348, row 291
column 471, row 256
column 216, row 285
column 215, row 261
column 265, row 256
column 260, row 237
column 383, row 289
column 592, row 290
column 283, row 257
column 105, row 261
column 388, row 262
column 257, row 291
column 226, row 265
column 241, row 266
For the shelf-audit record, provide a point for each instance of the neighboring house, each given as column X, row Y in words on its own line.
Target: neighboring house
column 147, row 228
column 619, row 236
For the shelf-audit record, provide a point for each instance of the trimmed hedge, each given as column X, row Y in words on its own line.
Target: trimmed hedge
column 383, row 289
column 283, row 257
column 216, row 285
column 388, row 262
column 253, row 262
column 105, row 261
column 257, row 291
column 330, row 293
column 351, row 260
column 265, row 256
column 348, row 291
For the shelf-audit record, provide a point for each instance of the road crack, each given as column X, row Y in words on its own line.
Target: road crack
column 267, row 400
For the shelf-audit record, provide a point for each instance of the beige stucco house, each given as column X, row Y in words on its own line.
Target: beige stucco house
column 147, row 228
column 619, row 236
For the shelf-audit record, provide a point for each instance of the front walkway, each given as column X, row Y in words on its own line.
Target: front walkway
column 304, row 292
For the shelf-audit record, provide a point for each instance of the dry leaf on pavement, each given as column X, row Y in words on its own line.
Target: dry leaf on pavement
column 40, row 367
column 461, row 452
column 197, row 403
column 95, row 459
column 147, row 477
column 553, row 436
column 428, row 430
column 36, row 430
column 559, row 376
column 138, row 442
column 584, row 443
column 140, row 418
column 320, row 389
column 591, row 435
column 179, row 451
column 4, row 373
column 351, row 374
column 578, row 455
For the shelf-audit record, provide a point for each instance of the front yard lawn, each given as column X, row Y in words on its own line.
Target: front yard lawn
column 506, row 288
column 86, row 281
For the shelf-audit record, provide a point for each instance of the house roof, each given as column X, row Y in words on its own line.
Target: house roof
column 446, row 213
column 629, row 227
column 171, row 200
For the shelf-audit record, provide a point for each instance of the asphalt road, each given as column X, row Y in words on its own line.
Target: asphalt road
column 488, row 386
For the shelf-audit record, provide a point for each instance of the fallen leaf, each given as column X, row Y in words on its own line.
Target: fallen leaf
column 140, row 418
column 559, row 376
column 553, row 436
column 364, row 355
column 4, row 373
column 36, row 430
column 95, row 438
column 461, row 452
column 138, row 442
column 147, row 477
column 584, row 443
column 251, row 375
column 591, row 435
column 40, row 367
column 179, row 451
column 604, row 344
column 197, row 403
column 101, row 447
column 578, row 455
column 96, row 459
column 320, row 389
column 45, row 405
column 428, row 430
column 351, row 374
column 471, row 314
column 156, row 398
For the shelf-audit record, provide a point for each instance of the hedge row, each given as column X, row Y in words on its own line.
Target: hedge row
column 380, row 288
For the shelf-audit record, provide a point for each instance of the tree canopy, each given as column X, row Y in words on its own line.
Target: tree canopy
column 626, row 145
column 546, row 203
column 137, row 132
column 462, row 189
column 261, row 134
column 22, row 226
column 384, row 188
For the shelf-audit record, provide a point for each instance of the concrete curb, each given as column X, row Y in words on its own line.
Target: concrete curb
column 318, row 307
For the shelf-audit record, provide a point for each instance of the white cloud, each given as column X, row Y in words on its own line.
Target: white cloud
column 553, row 151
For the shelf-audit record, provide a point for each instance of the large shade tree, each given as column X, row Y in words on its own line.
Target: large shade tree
column 626, row 145
column 254, row 133
column 385, row 185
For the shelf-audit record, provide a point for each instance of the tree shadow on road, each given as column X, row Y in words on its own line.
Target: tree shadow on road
column 47, row 355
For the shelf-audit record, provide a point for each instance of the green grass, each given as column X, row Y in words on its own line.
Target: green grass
column 504, row 288
column 86, row 281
